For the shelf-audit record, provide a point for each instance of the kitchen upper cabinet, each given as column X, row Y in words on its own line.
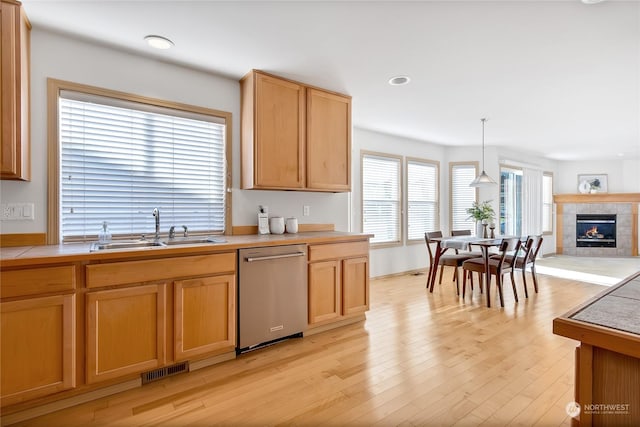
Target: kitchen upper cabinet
column 338, row 281
column 273, row 127
column 328, row 141
column 38, row 338
column 204, row 315
column 15, row 162
column 294, row 137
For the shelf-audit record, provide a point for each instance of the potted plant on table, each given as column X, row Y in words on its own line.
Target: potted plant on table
column 483, row 214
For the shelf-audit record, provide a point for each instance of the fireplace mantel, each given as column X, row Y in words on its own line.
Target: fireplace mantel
column 597, row 198
column 601, row 198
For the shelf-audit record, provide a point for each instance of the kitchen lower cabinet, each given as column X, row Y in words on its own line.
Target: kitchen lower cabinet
column 324, row 291
column 38, row 347
column 204, row 316
column 338, row 281
column 125, row 331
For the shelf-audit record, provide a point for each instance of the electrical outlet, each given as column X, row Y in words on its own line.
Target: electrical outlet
column 6, row 211
column 306, row 210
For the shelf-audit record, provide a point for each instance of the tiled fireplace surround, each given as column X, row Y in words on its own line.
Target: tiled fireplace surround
column 623, row 205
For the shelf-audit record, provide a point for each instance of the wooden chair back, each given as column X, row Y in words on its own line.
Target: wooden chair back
column 427, row 238
column 537, row 244
column 509, row 246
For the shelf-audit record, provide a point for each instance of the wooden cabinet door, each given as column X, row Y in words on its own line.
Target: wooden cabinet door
column 14, row 81
column 38, row 347
column 279, row 133
column 355, row 285
column 125, row 331
column 328, row 141
column 204, row 316
column 324, row 291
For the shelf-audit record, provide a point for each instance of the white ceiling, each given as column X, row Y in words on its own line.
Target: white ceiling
column 555, row 78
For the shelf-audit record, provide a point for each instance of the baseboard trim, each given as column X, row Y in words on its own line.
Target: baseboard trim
column 329, row 326
column 58, row 405
column 199, row 364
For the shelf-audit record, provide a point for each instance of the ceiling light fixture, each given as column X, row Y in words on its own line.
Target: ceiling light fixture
column 399, row 80
column 592, row 1
column 158, row 42
column 483, row 179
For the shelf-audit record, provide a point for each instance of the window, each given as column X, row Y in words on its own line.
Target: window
column 547, row 203
column 462, row 195
column 422, row 198
column 120, row 156
column 381, row 197
column 511, row 201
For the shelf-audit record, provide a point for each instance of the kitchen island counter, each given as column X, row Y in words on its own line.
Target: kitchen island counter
column 608, row 358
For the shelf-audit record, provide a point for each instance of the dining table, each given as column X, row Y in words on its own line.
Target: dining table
column 464, row 243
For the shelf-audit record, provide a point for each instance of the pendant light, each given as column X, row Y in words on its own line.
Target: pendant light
column 483, row 179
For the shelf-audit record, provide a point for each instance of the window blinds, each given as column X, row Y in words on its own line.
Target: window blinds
column 422, row 199
column 121, row 159
column 462, row 196
column 381, row 198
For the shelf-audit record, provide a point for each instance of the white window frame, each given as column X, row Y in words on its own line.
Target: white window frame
column 453, row 204
column 435, row 202
column 547, row 203
column 55, row 87
column 397, row 202
column 515, row 170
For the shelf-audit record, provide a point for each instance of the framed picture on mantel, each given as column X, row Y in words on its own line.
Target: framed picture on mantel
column 593, row 183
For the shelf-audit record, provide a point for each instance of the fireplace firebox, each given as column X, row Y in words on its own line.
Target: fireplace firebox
column 595, row 231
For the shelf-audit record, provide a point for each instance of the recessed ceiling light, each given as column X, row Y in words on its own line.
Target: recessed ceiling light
column 592, row 1
column 158, row 42
column 399, row 80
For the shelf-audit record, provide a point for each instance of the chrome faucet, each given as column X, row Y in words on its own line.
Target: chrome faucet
column 156, row 214
column 172, row 232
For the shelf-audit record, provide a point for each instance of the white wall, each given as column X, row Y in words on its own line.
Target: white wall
column 623, row 175
column 61, row 57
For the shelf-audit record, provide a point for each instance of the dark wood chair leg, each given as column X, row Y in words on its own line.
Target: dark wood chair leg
column 499, row 285
column 535, row 280
column 524, row 280
column 441, row 271
column 464, row 284
column 456, row 277
column 481, row 281
column 513, row 285
column 470, row 273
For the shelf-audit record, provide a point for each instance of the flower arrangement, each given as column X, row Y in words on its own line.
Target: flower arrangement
column 482, row 211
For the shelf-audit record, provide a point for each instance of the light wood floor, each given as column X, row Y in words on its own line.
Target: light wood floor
column 419, row 359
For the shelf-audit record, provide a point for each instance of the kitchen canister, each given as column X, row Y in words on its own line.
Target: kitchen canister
column 292, row 225
column 276, row 225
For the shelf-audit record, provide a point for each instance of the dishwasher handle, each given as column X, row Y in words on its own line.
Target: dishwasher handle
column 268, row 257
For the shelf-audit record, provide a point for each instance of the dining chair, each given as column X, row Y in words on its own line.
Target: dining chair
column 450, row 260
column 497, row 267
column 527, row 259
column 455, row 233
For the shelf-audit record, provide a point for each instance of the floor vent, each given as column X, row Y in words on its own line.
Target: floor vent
column 167, row 371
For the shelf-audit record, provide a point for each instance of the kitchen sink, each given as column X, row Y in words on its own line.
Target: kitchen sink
column 124, row 244
column 193, row 240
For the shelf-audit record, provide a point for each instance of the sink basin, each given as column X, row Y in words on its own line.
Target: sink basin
column 124, row 244
column 193, row 240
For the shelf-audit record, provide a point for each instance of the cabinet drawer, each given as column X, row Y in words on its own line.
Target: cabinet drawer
column 338, row 250
column 34, row 281
column 128, row 272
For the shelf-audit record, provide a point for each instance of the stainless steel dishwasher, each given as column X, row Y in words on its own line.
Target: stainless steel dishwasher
column 272, row 295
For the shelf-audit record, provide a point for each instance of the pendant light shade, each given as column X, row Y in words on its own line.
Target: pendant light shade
column 483, row 179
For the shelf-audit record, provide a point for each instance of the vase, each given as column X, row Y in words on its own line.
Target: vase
column 479, row 229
